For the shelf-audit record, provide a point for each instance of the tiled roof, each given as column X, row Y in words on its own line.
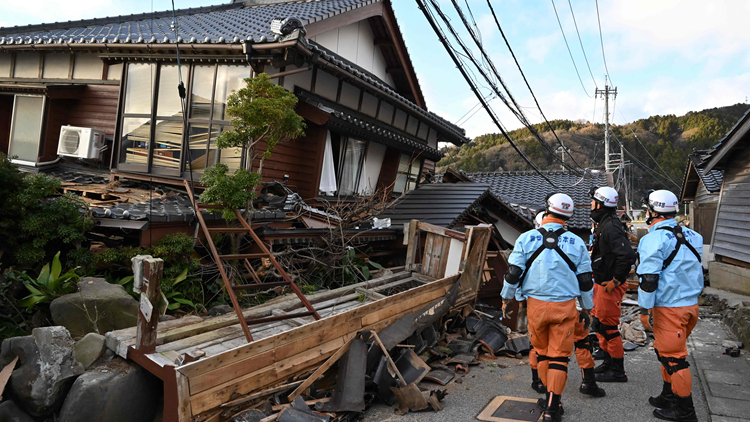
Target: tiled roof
column 524, row 191
column 712, row 179
column 225, row 23
column 441, row 204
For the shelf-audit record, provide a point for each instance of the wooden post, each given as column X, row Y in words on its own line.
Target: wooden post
column 148, row 312
column 411, row 250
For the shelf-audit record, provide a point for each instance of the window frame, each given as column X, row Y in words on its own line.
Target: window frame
column 408, row 174
column 41, row 126
column 210, row 123
column 342, row 161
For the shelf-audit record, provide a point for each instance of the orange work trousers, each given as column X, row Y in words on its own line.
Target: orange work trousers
column 672, row 326
column 583, row 355
column 552, row 328
column 607, row 309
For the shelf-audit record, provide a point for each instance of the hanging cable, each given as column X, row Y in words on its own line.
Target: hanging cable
column 438, row 31
column 182, row 92
column 518, row 65
column 581, row 42
column 601, row 40
column 569, row 52
column 515, row 109
column 635, row 159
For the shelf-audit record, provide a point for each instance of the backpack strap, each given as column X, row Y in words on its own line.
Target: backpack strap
column 677, row 231
column 550, row 240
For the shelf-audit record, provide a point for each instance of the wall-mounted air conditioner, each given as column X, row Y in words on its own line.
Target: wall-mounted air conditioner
column 80, row 142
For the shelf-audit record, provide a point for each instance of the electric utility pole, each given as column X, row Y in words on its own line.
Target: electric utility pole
column 605, row 93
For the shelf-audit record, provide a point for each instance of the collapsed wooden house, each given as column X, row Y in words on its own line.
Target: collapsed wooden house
column 206, row 363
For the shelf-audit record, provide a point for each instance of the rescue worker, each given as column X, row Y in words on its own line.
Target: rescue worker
column 611, row 260
column 550, row 268
column 671, row 276
column 583, row 350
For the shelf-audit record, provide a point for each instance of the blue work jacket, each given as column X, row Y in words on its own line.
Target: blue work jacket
column 550, row 278
column 682, row 281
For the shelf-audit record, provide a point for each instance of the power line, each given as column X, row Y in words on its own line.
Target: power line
column 517, row 110
column 581, row 42
column 518, row 65
column 472, row 109
column 441, row 36
column 569, row 52
column 642, row 165
column 601, row 40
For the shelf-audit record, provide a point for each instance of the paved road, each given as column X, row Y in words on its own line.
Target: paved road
column 623, row 403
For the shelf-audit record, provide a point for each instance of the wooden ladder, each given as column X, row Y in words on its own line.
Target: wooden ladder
column 245, row 258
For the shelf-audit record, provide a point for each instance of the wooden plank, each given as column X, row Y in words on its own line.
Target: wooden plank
column 401, row 306
column 214, row 335
column 320, row 371
column 266, row 392
column 216, row 396
column 226, row 373
column 431, row 228
column 118, row 341
column 251, row 349
column 429, row 243
column 184, row 407
column 5, row 375
column 148, row 312
column 411, row 250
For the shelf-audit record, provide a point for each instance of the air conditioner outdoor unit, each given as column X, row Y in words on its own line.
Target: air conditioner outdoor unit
column 80, row 142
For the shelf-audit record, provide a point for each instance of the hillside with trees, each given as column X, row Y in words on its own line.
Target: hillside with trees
column 669, row 139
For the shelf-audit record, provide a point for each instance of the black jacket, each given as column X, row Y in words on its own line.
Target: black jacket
column 611, row 256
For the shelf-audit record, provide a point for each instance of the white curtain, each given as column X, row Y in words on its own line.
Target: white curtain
column 328, row 184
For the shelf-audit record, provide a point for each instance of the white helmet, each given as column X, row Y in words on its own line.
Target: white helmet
column 661, row 201
column 538, row 219
column 606, row 196
column 559, row 204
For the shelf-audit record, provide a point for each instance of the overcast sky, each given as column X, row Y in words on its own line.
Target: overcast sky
column 665, row 56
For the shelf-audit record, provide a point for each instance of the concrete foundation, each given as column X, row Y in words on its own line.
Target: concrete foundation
column 729, row 277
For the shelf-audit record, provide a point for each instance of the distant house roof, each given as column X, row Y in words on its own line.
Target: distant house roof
column 694, row 175
column 719, row 153
column 524, row 191
column 441, row 204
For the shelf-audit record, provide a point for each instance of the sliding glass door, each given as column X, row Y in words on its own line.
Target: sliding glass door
column 26, row 127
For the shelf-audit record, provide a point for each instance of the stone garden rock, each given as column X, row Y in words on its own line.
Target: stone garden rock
column 88, row 349
column 10, row 412
column 116, row 391
column 45, row 371
column 109, row 305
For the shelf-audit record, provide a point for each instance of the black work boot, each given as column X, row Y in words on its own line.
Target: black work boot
column 664, row 400
column 604, row 366
column 536, row 383
column 553, row 412
column 615, row 373
column 588, row 385
column 682, row 411
column 598, row 354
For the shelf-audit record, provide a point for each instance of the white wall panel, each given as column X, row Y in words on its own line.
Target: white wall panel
column 366, row 46
column 423, row 129
column 432, row 138
column 373, row 164
column 378, row 64
column 114, row 73
column 326, row 85
column 5, row 65
column 386, row 112
column 411, row 127
column 56, row 66
column 400, row 121
column 369, row 105
column 87, row 66
column 348, row 40
column 329, row 40
column 27, row 65
column 302, row 80
column 350, row 96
